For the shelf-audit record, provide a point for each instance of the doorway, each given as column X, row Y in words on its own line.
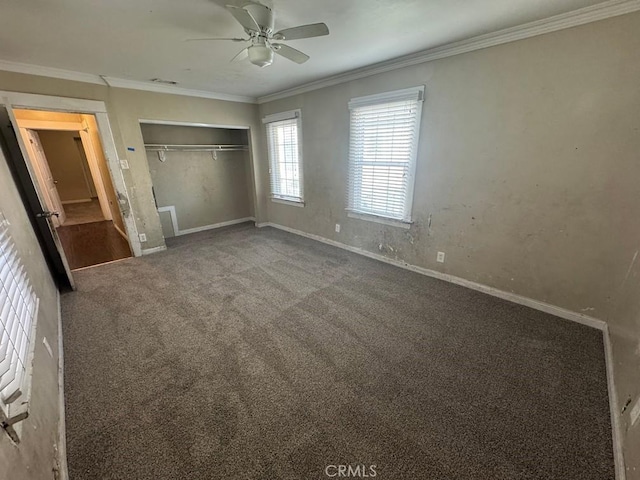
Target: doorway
column 71, row 172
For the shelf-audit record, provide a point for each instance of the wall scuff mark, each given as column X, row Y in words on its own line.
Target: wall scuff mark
column 633, row 261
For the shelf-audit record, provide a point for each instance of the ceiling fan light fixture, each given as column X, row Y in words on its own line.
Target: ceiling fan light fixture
column 260, row 55
column 257, row 20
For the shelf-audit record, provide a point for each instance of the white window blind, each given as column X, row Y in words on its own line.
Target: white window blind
column 382, row 153
column 18, row 310
column 285, row 166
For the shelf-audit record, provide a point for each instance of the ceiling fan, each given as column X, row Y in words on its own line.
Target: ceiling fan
column 258, row 22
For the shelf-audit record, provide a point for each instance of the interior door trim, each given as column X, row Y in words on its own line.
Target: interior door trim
column 98, row 109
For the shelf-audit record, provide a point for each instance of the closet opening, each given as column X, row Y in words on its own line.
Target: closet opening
column 201, row 176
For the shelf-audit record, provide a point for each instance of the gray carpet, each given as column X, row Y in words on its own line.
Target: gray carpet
column 256, row 354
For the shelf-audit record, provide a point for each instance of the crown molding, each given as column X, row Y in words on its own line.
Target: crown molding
column 117, row 82
column 601, row 11
column 173, row 90
column 30, row 69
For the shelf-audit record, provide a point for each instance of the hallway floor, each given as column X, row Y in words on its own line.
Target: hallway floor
column 93, row 243
column 85, row 212
column 255, row 354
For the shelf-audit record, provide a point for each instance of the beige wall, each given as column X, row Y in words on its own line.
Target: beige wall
column 125, row 109
column 528, row 170
column 129, row 106
column 190, row 135
column 204, row 191
column 34, row 457
column 66, row 164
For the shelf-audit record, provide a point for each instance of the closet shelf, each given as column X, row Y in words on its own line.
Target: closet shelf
column 159, row 147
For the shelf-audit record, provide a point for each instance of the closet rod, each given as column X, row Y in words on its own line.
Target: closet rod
column 200, row 148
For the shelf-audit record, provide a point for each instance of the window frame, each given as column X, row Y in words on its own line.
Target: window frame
column 278, row 117
column 412, row 93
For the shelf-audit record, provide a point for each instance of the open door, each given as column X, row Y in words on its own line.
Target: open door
column 33, row 197
column 43, row 174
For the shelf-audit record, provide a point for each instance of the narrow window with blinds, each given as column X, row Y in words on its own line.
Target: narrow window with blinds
column 18, row 311
column 383, row 146
column 285, row 165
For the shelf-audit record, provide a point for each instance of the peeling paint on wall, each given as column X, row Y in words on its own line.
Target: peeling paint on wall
column 123, row 201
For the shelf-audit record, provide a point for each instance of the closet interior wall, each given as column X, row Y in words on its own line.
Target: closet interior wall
column 196, row 188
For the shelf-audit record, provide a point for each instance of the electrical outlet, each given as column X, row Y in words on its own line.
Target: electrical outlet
column 143, row 237
column 635, row 412
column 440, row 257
column 124, row 164
column 337, row 228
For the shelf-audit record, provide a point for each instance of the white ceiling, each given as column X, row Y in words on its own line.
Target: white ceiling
column 144, row 39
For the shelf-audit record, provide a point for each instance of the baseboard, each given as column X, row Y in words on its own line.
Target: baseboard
column 82, row 200
column 63, row 471
column 215, row 225
column 149, row 251
column 171, row 210
column 616, row 430
column 512, row 297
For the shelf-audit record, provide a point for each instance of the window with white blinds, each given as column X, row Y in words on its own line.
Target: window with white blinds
column 382, row 153
column 18, row 310
column 285, row 165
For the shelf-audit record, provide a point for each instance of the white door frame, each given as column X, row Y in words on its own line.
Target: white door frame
column 99, row 110
column 89, row 153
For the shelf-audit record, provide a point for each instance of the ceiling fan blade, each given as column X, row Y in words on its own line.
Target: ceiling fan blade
column 216, row 38
column 290, row 53
column 242, row 54
column 303, row 31
column 244, row 18
column 262, row 14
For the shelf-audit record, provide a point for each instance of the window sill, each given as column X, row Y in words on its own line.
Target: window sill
column 292, row 203
column 385, row 221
